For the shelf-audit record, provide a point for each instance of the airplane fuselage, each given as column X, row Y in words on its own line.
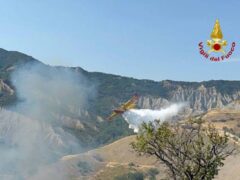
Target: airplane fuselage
column 130, row 104
column 119, row 111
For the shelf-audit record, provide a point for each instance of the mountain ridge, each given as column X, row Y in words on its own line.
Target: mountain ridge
column 112, row 90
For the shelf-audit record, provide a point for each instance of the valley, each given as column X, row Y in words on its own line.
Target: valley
column 64, row 111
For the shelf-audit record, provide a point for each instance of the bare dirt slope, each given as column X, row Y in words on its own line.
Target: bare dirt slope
column 114, row 159
column 117, row 158
column 227, row 120
column 121, row 152
column 231, row 169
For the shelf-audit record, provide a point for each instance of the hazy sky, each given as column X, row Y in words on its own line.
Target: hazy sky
column 147, row 39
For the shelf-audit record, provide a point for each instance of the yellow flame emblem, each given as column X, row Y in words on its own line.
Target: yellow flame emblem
column 216, row 43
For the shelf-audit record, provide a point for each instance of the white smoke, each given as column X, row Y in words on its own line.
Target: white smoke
column 135, row 117
column 36, row 138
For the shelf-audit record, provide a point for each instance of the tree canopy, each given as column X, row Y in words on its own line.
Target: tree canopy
column 192, row 150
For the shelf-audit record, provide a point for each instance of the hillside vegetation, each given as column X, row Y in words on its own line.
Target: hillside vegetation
column 111, row 91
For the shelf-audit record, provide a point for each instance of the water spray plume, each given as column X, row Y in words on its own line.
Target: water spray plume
column 135, row 117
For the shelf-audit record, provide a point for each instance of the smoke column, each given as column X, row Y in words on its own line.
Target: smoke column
column 135, row 117
column 33, row 136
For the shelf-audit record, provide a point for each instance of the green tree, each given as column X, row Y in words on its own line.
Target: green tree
column 191, row 151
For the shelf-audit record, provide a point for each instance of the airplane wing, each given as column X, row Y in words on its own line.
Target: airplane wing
column 113, row 115
column 128, row 103
column 131, row 103
column 131, row 106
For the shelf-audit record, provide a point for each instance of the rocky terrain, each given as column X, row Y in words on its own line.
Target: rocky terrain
column 111, row 90
column 117, row 159
column 105, row 163
column 57, row 111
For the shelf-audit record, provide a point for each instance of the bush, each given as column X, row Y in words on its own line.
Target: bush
column 84, row 167
column 235, row 138
column 222, row 120
column 153, row 172
column 98, row 158
column 131, row 176
column 131, row 164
